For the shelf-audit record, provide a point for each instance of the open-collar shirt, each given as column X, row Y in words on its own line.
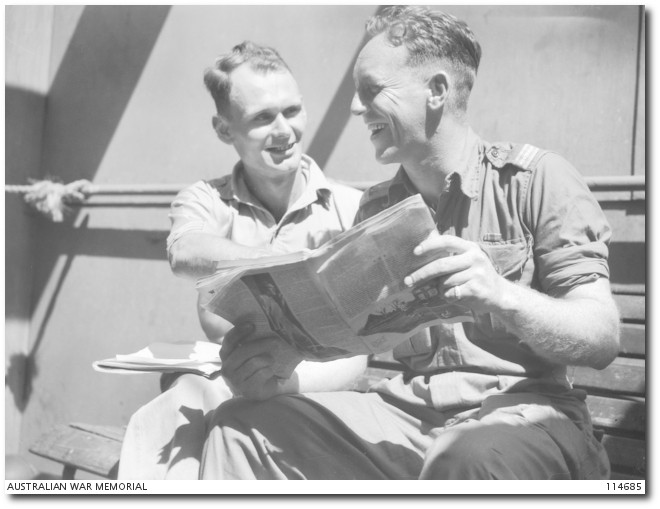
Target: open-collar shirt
column 226, row 207
column 534, row 216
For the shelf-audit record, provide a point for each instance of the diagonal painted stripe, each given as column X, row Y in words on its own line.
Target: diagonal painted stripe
column 337, row 115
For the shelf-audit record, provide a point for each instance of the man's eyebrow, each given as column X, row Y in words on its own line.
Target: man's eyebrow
column 257, row 112
column 294, row 103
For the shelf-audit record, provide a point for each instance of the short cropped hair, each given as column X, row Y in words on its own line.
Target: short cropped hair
column 217, row 78
column 429, row 36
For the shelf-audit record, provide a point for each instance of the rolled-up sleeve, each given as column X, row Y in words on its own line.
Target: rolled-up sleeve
column 571, row 233
column 196, row 209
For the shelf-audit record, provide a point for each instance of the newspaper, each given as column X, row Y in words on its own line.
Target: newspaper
column 344, row 298
column 200, row 357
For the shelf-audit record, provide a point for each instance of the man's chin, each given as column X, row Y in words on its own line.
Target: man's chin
column 386, row 156
column 288, row 165
column 291, row 158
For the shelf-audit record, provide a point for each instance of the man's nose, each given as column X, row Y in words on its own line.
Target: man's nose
column 282, row 127
column 357, row 107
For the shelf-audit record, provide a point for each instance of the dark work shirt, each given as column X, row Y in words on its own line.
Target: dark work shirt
column 533, row 214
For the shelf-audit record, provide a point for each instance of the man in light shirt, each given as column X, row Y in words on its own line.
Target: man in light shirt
column 276, row 200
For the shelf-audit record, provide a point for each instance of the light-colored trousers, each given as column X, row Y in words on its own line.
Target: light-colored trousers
column 165, row 438
column 349, row 435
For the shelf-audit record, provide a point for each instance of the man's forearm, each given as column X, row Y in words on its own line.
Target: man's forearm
column 581, row 328
column 196, row 254
column 325, row 376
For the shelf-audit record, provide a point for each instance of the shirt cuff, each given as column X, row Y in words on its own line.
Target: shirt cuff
column 180, row 231
column 571, row 266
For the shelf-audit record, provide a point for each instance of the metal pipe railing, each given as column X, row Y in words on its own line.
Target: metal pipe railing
column 612, row 183
column 618, row 183
column 601, row 183
column 51, row 198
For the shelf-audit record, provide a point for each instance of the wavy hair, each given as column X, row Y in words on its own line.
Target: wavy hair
column 431, row 36
column 217, row 78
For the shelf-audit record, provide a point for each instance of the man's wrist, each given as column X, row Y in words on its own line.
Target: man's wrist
column 510, row 299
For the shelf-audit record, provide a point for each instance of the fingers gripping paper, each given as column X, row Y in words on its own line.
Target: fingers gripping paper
column 346, row 297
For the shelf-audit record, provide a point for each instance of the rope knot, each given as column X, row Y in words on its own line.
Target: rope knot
column 52, row 199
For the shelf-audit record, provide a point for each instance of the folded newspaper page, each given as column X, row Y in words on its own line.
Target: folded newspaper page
column 344, row 298
column 201, row 357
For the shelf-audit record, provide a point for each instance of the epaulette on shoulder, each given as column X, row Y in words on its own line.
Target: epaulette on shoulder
column 523, row 156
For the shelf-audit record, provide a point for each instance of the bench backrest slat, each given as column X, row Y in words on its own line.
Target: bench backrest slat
column 623, row 376
column 633, row 339
column 631, row 307
column 621, row 415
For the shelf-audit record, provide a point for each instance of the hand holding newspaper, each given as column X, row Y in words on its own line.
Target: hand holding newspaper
column 345, row 298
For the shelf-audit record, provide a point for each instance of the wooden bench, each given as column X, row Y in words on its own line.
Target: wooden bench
column 78, row 446
column 616, row 399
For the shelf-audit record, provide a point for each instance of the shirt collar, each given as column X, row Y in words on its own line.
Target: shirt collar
column 401, row 187
column 467, row 174
column 316, row 188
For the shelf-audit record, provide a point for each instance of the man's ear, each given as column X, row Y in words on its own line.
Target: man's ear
column 438, row 90
column 221, row 128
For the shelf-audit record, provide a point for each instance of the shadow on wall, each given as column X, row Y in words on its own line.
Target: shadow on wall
column 125, row 244
column 93, row 85
column 86, row 101
column 23, row 122
column 24, row 113
column 338, row 113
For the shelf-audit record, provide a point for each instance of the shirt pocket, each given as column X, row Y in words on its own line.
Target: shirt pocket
column 509, row 257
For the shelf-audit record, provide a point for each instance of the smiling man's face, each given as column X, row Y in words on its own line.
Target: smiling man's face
column 391, row 98
column 266, row 120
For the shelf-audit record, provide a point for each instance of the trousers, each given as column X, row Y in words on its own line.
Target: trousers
column 165, row 438
column 350, row 435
